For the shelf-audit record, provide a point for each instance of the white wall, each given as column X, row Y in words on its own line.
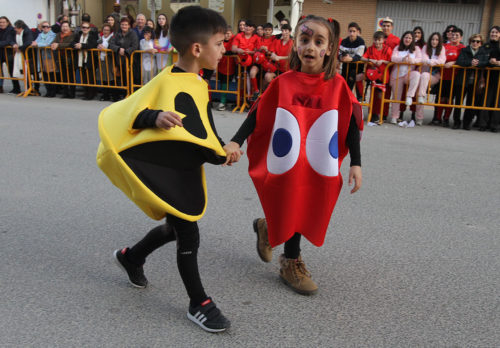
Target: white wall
column 27, row 10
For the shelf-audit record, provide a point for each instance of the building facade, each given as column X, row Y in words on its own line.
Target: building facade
column 472, row 16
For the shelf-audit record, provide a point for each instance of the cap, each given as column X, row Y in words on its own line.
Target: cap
column 387, row 19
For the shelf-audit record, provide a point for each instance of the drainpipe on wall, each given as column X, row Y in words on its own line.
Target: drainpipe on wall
column 295, row 13
column 492, row 15
column 270, row 11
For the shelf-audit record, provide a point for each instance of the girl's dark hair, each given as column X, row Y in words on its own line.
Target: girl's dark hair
column 330, row 62
column 411, row 47
column 116, row 25
column 439, row 47
column 159, row 30
column 449, row 27
column 489, row 31
column 194, row 24
column 421, row 42
column 8, row 22
column 354, row 25
column 239, row 22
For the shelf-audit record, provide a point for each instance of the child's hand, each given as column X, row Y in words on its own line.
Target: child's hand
column 355, row 173
column 168, row 119
column 233, row 153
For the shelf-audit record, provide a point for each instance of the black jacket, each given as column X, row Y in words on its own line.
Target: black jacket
column 129, row 41
column 465, row 60
column 27, row 38
column 7, row 38
column 91, row 41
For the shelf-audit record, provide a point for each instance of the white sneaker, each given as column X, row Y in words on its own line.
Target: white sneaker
column 409, row 101
column 420, row 122
column 421, row 100
column 221, row 107
column 394, row 121
column 403, row 124
column 411, row 124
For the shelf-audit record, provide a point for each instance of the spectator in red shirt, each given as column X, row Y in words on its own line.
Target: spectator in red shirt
column 378, row 56
column 226, row 67
column 260, row 30
column 391, row 40
column 247, row 43
column 452, row 52
column 280, row 51
column 267, row 40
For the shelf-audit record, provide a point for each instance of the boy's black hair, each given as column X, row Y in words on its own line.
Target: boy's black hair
column 249, row 23
column 458, row 30
column 267, row 26
column 378, row 35
column 19, row 24
column 354, row 25
column 286, row 27
column 147, row 29
column 193, row 24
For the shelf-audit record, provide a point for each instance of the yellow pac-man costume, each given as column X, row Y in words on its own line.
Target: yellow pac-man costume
column 161, row 170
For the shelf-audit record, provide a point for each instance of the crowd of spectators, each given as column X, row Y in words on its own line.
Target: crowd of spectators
column 265, row 55
column 439, row 70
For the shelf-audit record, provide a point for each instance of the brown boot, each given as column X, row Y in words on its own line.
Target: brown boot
column 293, row 273
column 263, row 248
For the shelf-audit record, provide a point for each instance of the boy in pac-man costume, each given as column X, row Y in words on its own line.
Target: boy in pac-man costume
column 298, row 134
column 153, row 146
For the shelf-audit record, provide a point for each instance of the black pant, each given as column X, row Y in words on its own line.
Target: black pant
column 489, row 117
column 187, row 235
column 468, row 91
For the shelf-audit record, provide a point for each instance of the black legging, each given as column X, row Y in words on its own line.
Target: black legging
column 292, row 247
column 188, row 240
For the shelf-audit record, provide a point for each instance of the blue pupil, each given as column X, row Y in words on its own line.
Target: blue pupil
column 282, row 142
column 333, row 146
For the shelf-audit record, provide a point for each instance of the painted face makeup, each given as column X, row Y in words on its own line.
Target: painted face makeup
column 322, row 53
column 306, row 30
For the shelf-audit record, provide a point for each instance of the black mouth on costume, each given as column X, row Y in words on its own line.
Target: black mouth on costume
column 172, row 171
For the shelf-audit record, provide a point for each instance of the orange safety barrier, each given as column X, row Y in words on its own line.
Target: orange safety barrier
column 228, row 74
column 8, row 57
column 145, row 65
column 354, row 71
column 459, row 90
column 70, row 67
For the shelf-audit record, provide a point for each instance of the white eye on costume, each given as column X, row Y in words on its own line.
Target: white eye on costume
column 284, row 147
column 322, row 147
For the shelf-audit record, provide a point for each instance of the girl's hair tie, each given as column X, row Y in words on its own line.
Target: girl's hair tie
column 330, row 19
column 302, row 17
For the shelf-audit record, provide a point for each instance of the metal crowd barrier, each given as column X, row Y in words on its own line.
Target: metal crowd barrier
column 144, row 66
column 8, row 59
column 457, row 88
column 60, row 67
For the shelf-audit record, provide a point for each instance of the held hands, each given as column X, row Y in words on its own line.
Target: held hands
column 233, row 153
column 54, row 46
column 168, row 119
column 78, row 46
column 474, row 62
column 355, row 173
column 122, row 51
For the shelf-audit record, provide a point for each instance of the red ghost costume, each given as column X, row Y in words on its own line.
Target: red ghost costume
column 296, row 150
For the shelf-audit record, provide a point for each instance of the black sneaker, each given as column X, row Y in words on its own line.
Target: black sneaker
column 135, row 273
column 208, row 317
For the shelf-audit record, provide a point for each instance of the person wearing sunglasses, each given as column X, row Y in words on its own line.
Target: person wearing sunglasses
column 471, row 56
column 44, row 39
column 85, row 40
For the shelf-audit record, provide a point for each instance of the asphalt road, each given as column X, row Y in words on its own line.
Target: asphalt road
column 411, row 260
